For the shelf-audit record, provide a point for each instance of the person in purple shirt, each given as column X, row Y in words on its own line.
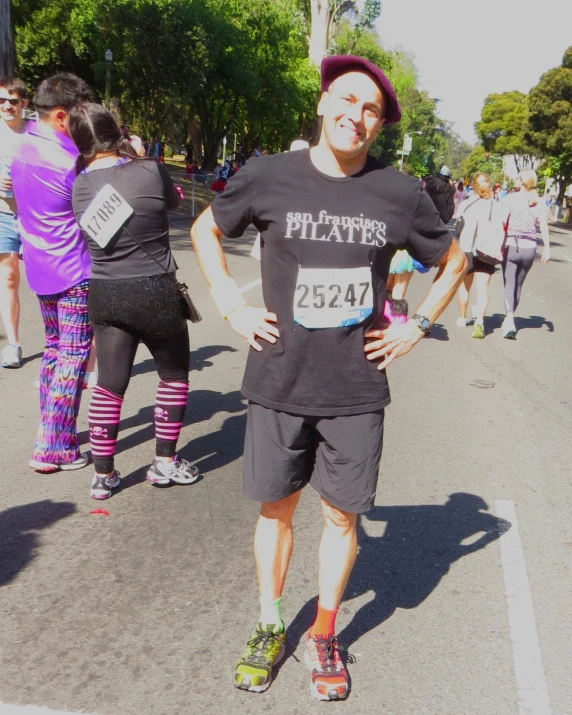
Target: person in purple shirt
column 57, row 266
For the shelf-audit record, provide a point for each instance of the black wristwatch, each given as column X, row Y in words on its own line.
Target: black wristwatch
column 423, row 323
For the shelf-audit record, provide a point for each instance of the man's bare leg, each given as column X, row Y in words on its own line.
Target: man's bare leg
column 273, row 543
column 9, row 298
column 338, row 550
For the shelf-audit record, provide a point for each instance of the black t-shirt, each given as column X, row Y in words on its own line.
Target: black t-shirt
column 149, row 190
column 311, row 220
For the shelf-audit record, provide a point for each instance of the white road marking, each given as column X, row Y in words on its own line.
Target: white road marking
column 568, row 259
column 253, row 284
column 530, row 681
column 30, row 710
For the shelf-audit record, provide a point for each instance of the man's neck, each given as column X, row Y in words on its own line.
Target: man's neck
column 330, row 164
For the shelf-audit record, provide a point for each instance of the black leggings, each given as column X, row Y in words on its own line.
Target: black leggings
column 116, row 348
column 123, row 314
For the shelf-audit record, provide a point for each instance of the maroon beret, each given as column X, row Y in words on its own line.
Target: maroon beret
column 333, row 67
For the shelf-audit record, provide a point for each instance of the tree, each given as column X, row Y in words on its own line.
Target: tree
column 324, row 14
column 481, row 161
column 6, row 42
column 550, row 120
column 502, row 127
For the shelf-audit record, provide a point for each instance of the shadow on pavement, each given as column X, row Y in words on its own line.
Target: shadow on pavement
column 439, row 332
column 18, row 541
column 406, row 564
column 198, row 359
column 533, row 321
column 217, row 449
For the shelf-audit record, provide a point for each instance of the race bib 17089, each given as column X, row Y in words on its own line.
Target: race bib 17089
column 333, row 297
column 105, row 215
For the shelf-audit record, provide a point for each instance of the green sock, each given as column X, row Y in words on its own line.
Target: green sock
column 271, row 613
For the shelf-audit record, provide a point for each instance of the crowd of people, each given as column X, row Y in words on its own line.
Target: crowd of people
column 93, row 224
column 508, row 220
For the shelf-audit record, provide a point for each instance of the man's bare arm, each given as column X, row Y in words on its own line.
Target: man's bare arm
column 250, row 323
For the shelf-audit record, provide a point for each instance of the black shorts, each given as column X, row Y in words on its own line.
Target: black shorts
column 475, row 265
column 338, row 456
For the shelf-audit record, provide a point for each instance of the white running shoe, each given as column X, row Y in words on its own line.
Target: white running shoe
column 11, row 357
column 47, row 467
column 178, row 471
column 102, row 486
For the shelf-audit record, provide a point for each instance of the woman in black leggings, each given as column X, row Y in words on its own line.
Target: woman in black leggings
column 132, row 295
column 524, row 211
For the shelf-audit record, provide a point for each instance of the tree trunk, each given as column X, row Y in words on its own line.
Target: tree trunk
column 194, row 136
column 6, row 41
column 325, row 14
column 320, row 24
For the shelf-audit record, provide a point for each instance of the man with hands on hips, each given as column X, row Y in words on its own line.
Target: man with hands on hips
column 331, row 218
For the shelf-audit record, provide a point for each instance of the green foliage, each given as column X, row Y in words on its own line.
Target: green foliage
column 481, row 161
column 550, row 123
column 503, row 124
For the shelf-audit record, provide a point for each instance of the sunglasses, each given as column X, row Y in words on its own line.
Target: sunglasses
column 14, row 102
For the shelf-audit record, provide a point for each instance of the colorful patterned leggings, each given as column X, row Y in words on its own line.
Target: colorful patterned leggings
column 68, row 342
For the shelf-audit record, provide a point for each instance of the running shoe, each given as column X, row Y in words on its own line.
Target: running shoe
column 508, row 329
column 330, row 679
column 11, row 356
column 264, row 650
column 178, row 471
column 48, row 467
column 102, row 485
column 479, row 331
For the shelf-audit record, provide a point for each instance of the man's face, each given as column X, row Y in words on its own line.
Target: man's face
column 11, row 106
column 125, row 132
column 352, row 110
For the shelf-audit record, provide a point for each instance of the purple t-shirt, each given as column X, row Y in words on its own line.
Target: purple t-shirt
column 55, row 251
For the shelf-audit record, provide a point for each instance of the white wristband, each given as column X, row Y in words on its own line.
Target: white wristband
column 227, row 296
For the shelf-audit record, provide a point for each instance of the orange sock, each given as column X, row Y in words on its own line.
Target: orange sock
column 325, row 622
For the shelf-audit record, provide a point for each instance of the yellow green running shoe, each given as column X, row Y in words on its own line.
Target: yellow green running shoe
column 263, row 651
column 479, row 331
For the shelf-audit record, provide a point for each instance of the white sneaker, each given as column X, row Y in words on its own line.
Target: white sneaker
column 461, row 322
column 508, row 329
column 11, row 356
column 47, row 467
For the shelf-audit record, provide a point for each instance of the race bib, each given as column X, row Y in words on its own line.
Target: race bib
column 105, row 215
column 333, row 297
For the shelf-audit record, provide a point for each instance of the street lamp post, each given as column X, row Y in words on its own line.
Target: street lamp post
column 108, row 63
column 407, row 146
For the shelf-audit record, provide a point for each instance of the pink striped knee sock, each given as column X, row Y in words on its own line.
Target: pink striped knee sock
column 170, row 408
column 104, row 415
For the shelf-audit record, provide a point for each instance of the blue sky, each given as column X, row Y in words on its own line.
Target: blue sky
column 465, row 51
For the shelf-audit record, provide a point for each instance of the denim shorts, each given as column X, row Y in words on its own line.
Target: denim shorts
column 9, row 234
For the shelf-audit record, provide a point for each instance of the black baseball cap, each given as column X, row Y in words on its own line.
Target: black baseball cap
column 333, row 67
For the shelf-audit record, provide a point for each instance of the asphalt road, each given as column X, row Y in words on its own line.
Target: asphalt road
column 451, row 609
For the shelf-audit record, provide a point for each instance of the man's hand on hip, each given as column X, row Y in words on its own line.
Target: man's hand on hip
column 392, row 342
column 254, row 323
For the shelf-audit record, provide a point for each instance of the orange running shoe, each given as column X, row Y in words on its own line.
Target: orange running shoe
column 330, row 679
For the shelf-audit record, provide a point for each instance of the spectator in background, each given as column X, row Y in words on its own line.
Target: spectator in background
column 57, row 267
column 442, row 193
column 460, row 196
column 135, row 141
column 13, row 101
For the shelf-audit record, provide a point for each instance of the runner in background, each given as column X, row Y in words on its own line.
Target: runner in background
column 13, row 102
column 331, row 218
column 476, row 211
column 523, row 213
